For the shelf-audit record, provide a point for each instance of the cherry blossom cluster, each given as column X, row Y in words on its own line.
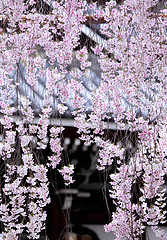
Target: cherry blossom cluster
column 82, row 56
column 132, row 91
column 107, row 153
column 35, row 175
column 55, row 145
column 67, row 171
column 57, row 34
column 55, row 158
column 43, row 127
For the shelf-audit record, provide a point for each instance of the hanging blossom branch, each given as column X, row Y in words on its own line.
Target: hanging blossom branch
column 36, row 180
column 55, row 145
column 24, row 201
column 133, row 81
column 25, row 191
column 13, row 194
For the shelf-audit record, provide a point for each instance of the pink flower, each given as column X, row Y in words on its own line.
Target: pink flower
column 66, row 171
column 61, row 108
column 25, row 140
